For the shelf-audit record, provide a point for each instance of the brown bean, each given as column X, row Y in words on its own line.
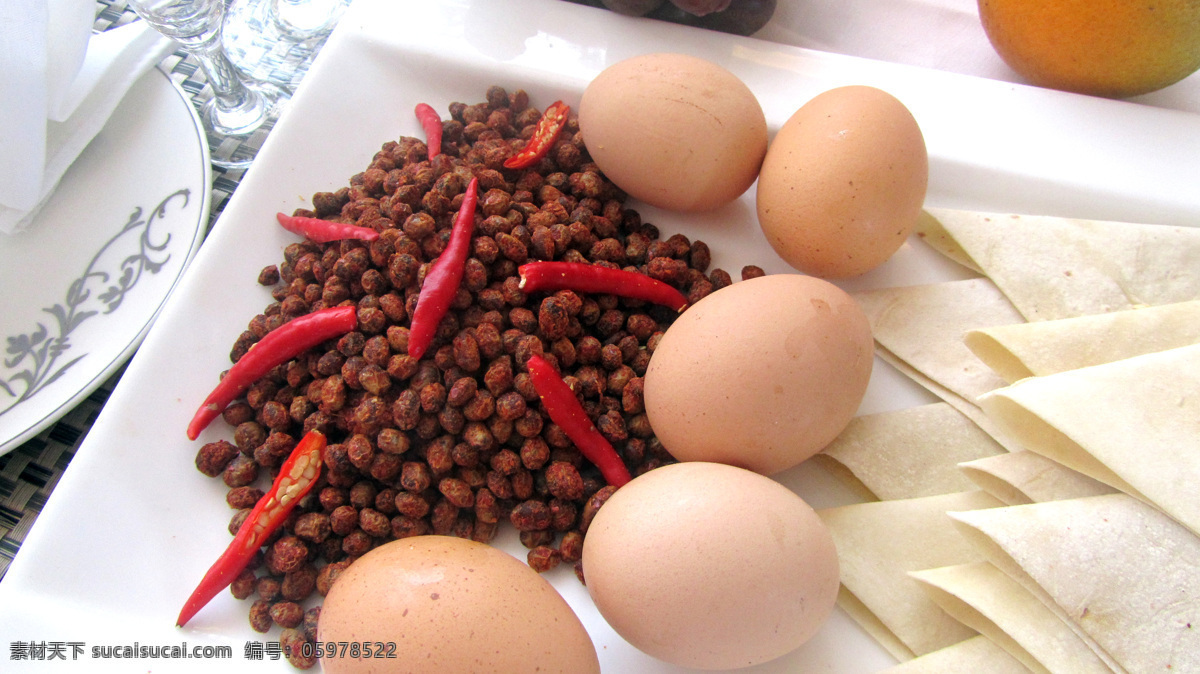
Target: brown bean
column 456, row 442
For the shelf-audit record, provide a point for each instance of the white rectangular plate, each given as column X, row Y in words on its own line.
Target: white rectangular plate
column 132, row 526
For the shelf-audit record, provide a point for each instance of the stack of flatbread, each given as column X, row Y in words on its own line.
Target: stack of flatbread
column 1045, row 515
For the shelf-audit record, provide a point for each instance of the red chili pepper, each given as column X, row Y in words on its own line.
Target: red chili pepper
column 592, row 278
column 276, row 347
column 324, row 231
column 432, row 123
column 296, row 478
column 548, row 128
column 564, row 409
column 441, row 283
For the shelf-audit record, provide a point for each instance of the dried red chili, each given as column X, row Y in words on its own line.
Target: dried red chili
column 431, row 122
column 296, row 478
column 275, row 348
column 324, row 231
column 548, row 128
column 441, row 283
column 564, row 409
column 584, row 277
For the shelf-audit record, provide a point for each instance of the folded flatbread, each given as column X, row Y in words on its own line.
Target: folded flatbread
column 1051, row 267
column 1133, row 424
column 1021, row 477
column 1046, row 347
column 1122, row 573
column 1060, row 268
column 878, row 543
column 967, row 408
column 872, row 625
column 910, row 452
column 919, row 330
column 984, row 598
column 977, row 655
column 924, row 326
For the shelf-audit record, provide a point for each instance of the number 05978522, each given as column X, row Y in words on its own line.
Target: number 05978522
column 349, row 649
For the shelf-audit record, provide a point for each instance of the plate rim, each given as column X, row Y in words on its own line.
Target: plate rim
column 122, row 357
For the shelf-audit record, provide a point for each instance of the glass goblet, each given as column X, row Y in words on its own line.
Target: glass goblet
column 304, row 19
column 277, row 40
column 240, row 113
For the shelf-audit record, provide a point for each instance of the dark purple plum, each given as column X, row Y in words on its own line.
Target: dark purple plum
column 701, row 7
column 632, row 7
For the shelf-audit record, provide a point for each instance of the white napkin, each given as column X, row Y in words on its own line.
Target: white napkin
column 59, row 84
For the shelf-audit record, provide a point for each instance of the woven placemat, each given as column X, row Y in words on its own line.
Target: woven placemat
column 29, row 473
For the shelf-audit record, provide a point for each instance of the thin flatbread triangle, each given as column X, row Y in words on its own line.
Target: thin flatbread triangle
column 1051, row 267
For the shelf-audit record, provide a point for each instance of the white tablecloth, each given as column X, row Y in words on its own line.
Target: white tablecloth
column 940, row 34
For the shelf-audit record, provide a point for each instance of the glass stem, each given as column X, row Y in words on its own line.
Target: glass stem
column 236, row 108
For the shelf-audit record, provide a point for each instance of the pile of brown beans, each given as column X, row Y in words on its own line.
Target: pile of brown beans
column 457, row 442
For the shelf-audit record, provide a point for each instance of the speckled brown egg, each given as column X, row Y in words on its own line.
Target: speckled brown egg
column 761, row 374
column 843, row 182
column 710, row 566
column 674, row 131
column 452, row 605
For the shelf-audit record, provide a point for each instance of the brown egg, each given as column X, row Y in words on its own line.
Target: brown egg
column 843, row 182
column 674, row 131
column 452, row 605
column 710, row 566
column 761, row 374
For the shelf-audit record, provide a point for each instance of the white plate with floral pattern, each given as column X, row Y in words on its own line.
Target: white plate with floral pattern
column 84, row 282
